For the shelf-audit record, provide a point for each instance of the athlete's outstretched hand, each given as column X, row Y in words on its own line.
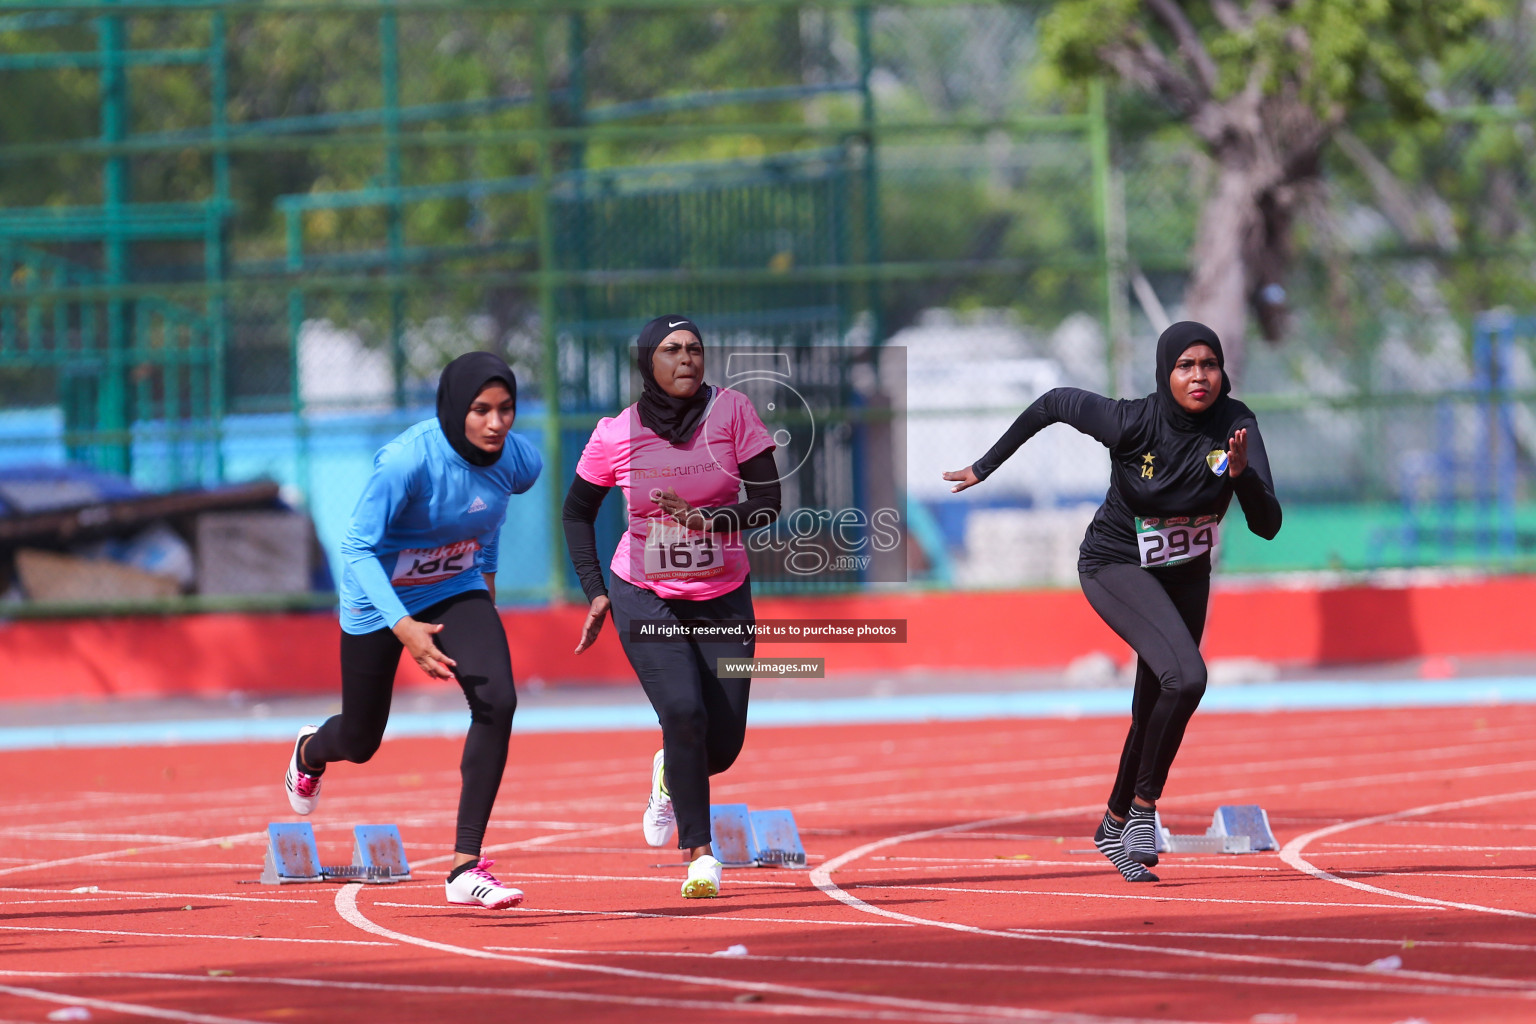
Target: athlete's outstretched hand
column 594, row 623
column 1237, row 453
column 962, row 478
column 418, row 638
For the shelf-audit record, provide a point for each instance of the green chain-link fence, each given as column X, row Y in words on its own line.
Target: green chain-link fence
column 239, row 240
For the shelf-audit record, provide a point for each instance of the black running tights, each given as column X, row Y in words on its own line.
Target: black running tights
column 703, row 717
column 472, row 636
column 1162, row 617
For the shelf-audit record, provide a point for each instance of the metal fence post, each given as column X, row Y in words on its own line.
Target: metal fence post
column 215, row 253
column 550, row 373
column 389, row 81
column 112, row 417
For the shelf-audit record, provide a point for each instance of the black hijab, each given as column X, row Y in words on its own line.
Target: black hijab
column 1170, row 345
column 672, row 418
column 462, row 380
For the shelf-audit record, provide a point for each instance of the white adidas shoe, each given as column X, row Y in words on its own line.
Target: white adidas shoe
column 477, row 887
column 659, row 822
column 703, row 878
column 303, row 789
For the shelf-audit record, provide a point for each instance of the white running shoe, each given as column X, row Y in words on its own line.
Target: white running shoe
column 477, row 887
column 303, row 789
column 659, row 822
column 703, row 878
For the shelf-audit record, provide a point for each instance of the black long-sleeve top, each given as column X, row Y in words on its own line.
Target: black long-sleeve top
column 582, row 501
column 1159, row 467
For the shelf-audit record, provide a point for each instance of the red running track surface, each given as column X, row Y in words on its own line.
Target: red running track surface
column 948, row 882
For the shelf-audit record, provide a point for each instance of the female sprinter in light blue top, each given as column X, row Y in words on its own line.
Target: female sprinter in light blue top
column 420, row 575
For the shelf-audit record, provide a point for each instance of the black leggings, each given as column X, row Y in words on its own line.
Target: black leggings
column 703, row 717
column 472, row 636
column 1162, row 617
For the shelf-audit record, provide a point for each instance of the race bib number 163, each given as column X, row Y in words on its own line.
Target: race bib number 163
column 673, row 552
column 1175, row 539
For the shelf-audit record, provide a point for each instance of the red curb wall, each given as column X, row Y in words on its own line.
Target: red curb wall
column 218, row 654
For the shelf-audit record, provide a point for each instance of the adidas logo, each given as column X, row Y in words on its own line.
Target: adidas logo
column 476, row 506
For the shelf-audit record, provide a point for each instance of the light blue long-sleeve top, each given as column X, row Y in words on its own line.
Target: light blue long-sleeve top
column 426, row 527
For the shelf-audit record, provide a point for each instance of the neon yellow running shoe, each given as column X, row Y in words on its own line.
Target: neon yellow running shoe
column 703, row 878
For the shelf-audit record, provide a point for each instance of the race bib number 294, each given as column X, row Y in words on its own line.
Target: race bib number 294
column 1175, row 539
column 422, row 566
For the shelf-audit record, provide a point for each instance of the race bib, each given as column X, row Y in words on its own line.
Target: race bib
column 434, row 565
column 674, row 552
column 1175, row 539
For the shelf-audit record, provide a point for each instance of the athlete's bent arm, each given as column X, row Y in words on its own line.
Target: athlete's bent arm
column 387, row 492
column 764, row 499
column 1094, row 415
column 1252, row 481
column 578, row 514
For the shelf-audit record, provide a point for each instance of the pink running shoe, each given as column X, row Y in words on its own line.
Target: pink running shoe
column 477, row 887
column 303, row 789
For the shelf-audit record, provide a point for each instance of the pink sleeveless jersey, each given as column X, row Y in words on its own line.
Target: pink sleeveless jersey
column 655, row 552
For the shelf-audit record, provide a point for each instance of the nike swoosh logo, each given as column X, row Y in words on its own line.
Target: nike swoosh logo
column 678, row 324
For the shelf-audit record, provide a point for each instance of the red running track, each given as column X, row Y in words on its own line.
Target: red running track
column 948, row 882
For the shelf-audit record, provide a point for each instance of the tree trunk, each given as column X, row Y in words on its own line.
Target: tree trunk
column 1267, row 150
column 1221, row 283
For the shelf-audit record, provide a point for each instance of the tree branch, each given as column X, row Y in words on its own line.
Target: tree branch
column 1393, row 198
column 1194, row 51
column 1230, row 16
column 1142, row 63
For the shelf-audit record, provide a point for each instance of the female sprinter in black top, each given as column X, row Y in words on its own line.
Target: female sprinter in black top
column 1177, row 457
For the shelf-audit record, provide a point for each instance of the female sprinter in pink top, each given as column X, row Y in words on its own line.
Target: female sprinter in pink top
column 681, row 455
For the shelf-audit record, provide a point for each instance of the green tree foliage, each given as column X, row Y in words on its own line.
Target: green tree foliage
column 1262, row 86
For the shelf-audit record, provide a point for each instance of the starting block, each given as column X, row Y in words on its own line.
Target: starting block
column 291, row 854
column 1235, row 828
column 378, row 856
column 747, row 838
column 380, row 848
column 1244, row 820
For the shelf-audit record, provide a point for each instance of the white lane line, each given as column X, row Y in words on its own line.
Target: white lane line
column 189, row 935
column 938, row 863
column 129, row 1008
column 1330, row 854
column 669, row 879
column 1481, row 826
column 1204, row 977
column 1379, row 873
column 727, row 918
column 528, row 844
column 821, row 877
column 622, row 851
column 1166, row 897
column 709, row 1008
column 1291, row 853
column 1038, row 767
column 946, row 798
column 94, row 837
column 346, row 906
column 82, row 900
column 1395, row 942
column 1007, row 836
column 106, row 895
column 1420, row 847
column 169, row 865
column 111, row 854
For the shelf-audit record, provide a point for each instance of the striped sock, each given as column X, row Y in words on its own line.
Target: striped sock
column 1108, row 840
column 1140, row 839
